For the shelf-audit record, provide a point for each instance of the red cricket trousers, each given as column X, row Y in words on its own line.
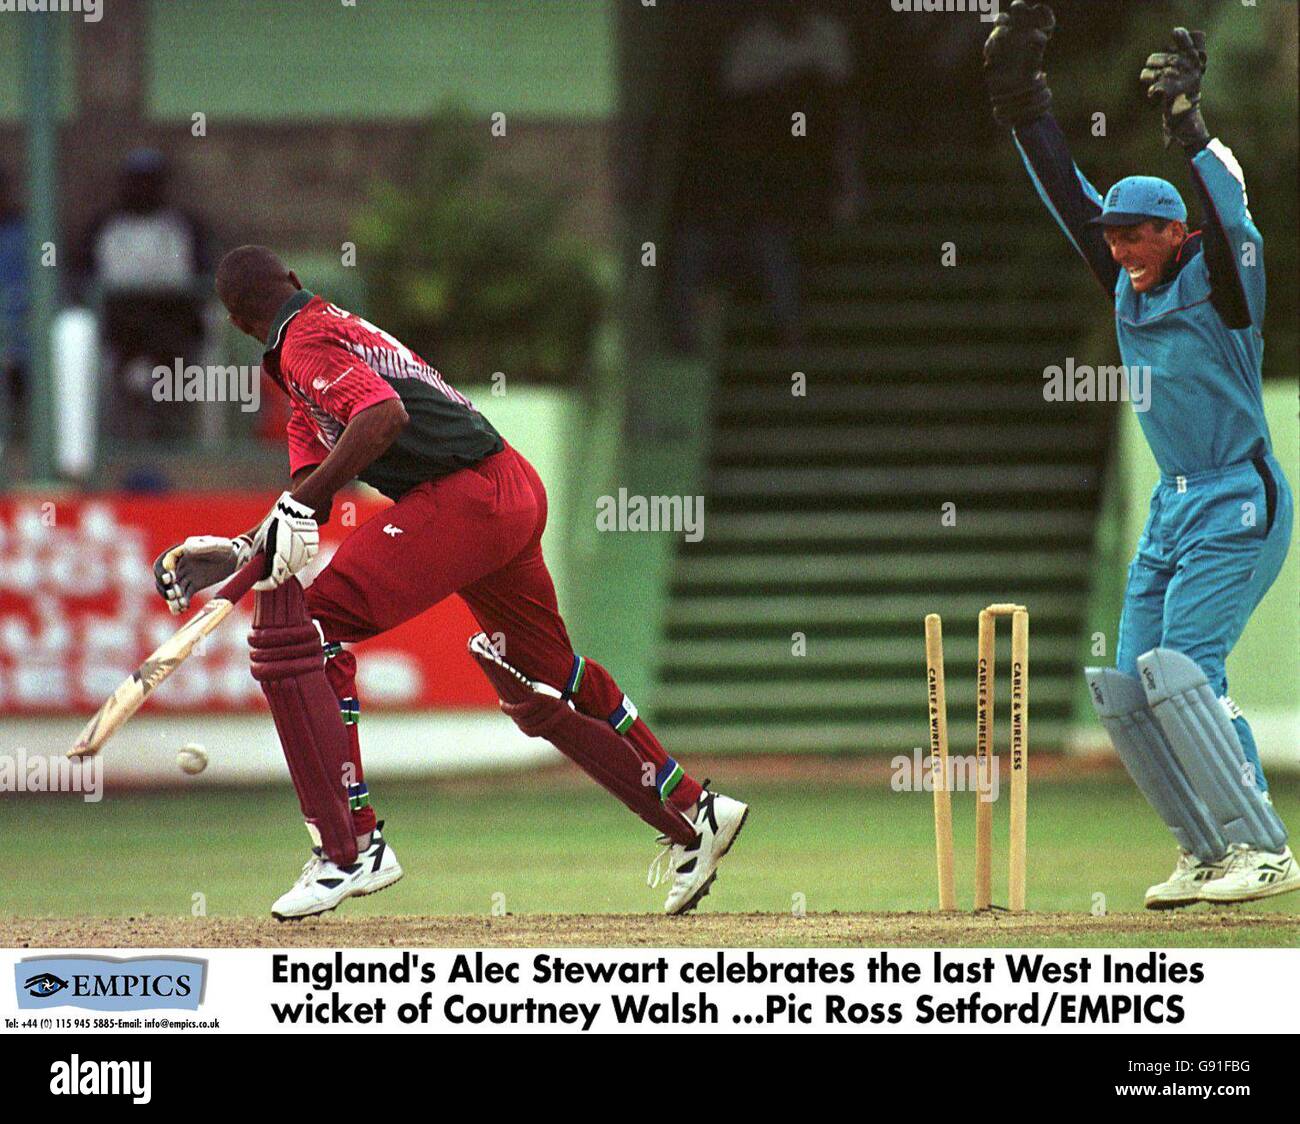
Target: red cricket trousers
column 476, row 533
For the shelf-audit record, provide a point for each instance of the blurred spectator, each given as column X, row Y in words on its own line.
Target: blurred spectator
column 147, row 263
column 13, row 309
column 751, row 181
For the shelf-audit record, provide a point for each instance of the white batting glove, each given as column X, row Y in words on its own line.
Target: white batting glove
column 289, row 537
column 183, row 570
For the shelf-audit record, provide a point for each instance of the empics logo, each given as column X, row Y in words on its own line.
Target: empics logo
column 103, row 983
column 43, row 985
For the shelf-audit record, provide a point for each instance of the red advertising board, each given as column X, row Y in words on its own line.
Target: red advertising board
column 78, row 611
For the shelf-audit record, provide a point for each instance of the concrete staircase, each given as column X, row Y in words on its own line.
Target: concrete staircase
column 824, row 512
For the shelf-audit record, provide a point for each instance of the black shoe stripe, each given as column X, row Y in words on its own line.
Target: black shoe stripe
column 706, row 807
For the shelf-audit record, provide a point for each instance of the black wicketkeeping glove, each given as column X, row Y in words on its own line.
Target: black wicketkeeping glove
column 1013, row 63
column 1174, row 77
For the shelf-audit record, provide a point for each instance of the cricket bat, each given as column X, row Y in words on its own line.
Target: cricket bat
column 131, row 693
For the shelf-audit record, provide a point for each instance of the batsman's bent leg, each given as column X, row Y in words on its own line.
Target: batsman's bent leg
column 595, row 746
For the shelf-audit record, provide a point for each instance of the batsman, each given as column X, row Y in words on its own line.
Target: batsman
column 467, row 518
column 1189, row 308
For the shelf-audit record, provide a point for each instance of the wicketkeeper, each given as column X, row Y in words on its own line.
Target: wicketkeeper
column 1190, row 308
column 467, row 518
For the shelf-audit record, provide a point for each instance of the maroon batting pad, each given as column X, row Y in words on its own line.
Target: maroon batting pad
column 594, row 746
column 290, row 665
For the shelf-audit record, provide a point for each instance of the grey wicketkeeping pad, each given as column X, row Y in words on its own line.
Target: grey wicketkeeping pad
column 1202, row 737
column 1137, row 737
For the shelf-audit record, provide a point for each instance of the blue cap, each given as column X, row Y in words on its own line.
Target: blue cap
column 1138, row 198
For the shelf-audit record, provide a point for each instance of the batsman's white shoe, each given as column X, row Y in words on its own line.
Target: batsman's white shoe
column 323, row 885
column 1183, row 887
column 1253, row 874
column 694, row 866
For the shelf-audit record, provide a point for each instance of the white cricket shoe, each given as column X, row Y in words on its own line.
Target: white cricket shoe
column 324, row 885
column 694, row 866
column 1253, row 874
column 1183, row 887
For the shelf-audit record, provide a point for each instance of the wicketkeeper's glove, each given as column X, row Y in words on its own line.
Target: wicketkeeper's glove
column 1174, row 77
column 1013, row 63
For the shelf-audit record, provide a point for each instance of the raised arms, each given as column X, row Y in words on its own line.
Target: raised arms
column 1232, row 244
column 1017, row 85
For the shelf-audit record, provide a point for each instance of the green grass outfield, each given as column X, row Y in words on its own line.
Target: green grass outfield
column 549, row 845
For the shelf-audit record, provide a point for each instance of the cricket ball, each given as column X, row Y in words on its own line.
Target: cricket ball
column 192, row 758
